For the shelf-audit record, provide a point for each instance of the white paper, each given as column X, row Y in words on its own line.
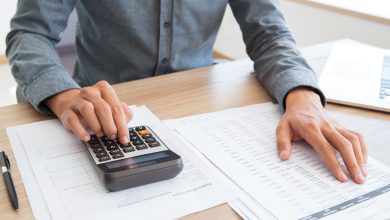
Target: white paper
column 59, row 168
column 38, row 207
column 244, row 205
column 241, row 142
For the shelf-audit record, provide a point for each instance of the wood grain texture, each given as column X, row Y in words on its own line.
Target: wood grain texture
column 170, row 96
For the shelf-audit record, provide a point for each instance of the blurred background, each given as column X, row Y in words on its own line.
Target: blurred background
column 310, row 21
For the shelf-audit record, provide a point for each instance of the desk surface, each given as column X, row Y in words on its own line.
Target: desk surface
column 3, row 59
column 175, row 95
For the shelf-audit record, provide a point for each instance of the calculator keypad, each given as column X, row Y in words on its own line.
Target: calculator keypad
column 142, row 141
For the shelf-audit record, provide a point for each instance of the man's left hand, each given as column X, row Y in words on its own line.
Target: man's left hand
column 305, row 118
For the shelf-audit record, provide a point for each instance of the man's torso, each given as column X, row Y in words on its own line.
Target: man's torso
column 125, row 40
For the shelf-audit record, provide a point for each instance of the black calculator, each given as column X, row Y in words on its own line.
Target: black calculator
column 146, row 159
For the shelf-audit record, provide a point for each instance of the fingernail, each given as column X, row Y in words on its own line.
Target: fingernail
column 364, row 171
column 342, row 176
column 360, row 177
column 283, row 154
column 112, row 137
column 125, row 140
column 86, row 138
column 100, row 134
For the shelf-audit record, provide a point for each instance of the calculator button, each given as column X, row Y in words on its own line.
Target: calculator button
column 93, row 146
column 139, row 128
column 132, row 133
column 134, row 138
column 143, row 132
column 147, row 136
column 128, row 149
column 94, row 139
column 99, row 155
column 98, row 150
column 104, row 158
column 141, row 147
column 131, row 129
column 112, row 152
column 124, row 145
column 138, row 142
column 104, row 138
column 154, row 144
column 148, row 140
column 118, row 155
column 108, row 142
column 111, row 147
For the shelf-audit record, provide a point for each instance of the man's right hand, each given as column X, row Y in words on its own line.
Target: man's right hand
column 96, row 107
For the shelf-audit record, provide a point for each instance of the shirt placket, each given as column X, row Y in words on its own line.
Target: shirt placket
column 165, row 38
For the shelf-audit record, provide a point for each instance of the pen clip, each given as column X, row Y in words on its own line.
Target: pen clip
column 7, row 163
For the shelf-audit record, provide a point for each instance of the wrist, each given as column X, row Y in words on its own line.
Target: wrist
column 301, row 96
column 58, row 102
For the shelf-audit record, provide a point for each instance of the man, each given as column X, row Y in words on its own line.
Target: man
column 123, row 40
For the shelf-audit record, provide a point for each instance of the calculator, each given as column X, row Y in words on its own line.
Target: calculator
column 146, row 159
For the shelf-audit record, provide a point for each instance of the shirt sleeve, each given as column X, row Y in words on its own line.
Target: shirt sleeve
column 278, row 64
column 35, row 63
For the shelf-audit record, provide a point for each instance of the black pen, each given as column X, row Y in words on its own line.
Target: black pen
column 5, row 167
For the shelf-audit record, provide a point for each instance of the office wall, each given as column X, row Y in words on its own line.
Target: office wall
column 309, row 25
column 7, row 10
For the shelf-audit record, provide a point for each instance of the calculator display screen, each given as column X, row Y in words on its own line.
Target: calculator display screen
column 140, row 159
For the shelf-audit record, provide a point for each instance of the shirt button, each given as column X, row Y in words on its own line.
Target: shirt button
column 167, row 24
column 164, row 61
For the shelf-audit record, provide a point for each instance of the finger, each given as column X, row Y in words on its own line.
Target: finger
column 346, row 150
column 128, row 112
column 87, row 112
column 315, row 138
column 72, row 122
column 362, row 144
column 283, row 139
column 118, row 114
column 357, row 149
column 102, row 110
column 104, row 113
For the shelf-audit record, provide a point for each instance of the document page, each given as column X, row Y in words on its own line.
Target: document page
column 241, row 143
column 65, row 177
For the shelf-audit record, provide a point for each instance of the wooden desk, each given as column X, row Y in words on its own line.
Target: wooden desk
column 170, row 96
column 3, row 59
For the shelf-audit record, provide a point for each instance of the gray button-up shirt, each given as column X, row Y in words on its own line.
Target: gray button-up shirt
column 122, row 40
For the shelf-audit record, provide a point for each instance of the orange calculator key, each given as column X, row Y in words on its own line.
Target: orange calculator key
column 143, row 132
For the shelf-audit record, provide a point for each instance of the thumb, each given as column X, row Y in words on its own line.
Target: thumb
column 283, row 139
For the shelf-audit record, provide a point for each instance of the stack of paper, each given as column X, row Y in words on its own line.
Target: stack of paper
column 61, row 182
column 240, row 142
column 227, row 155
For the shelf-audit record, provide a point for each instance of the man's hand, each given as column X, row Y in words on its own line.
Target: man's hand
column 96, row 107
column 305, row 118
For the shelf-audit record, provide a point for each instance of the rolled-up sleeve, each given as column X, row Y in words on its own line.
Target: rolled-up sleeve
column 35, row 64
column 277, row 62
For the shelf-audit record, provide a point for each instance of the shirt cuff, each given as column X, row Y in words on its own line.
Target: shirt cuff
column 46, row 85
column 296, row 79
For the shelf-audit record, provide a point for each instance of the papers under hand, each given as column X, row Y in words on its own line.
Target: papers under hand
column 61, row 182
column 241, row 143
